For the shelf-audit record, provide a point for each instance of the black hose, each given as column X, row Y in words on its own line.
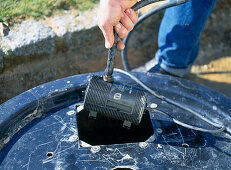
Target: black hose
column 111, row 58
column 112, row 50
column 142, row 18
column 143, row 3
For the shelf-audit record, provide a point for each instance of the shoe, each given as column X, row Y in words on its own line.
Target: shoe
column 147, row 66
column 158, row 69
column 152, row 66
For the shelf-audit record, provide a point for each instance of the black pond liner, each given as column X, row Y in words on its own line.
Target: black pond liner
column 41, row 129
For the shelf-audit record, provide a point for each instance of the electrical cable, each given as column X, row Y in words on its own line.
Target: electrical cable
column 142, row 18
column 111, row 60
column 189, row 126
column 127, row 68
column 221, row 128
column 138, row 5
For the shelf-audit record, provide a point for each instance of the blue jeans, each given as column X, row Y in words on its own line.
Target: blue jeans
column 179, row 35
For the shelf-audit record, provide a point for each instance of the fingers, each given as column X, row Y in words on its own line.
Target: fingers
column 132, row 15
column 121, row 30
column 128, row 19
column 126, row 22
column 120, row 44
column 108, row 34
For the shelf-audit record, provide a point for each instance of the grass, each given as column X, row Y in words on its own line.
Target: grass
column 16, row 10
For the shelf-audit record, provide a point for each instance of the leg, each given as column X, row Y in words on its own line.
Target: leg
column 179, row 35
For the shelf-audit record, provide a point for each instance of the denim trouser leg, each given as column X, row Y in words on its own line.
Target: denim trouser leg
column 179, row 35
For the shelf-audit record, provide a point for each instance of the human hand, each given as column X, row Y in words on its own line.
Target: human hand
column 119, row 15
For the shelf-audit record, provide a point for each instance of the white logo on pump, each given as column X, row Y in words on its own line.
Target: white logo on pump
column 117, row 96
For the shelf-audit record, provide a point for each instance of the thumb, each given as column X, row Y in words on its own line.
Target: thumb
column 108, row 35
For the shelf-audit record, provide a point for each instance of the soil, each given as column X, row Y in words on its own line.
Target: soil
column 212, row 67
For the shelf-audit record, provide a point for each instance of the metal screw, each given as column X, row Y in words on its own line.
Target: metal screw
column 73, row 138
column 95, row 149
column 71, row 112
column 143, row 144
column 159, row 130
column 153, row 105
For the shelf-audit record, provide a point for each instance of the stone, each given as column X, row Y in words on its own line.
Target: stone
column 27, row 39
column 62, row 24
column 70, row 22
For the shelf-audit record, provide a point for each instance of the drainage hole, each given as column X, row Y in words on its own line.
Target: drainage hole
column 122, row 168
column 49, row 154
column 185, row 145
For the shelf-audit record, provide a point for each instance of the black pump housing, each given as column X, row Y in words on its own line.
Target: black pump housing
column 115, row 100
